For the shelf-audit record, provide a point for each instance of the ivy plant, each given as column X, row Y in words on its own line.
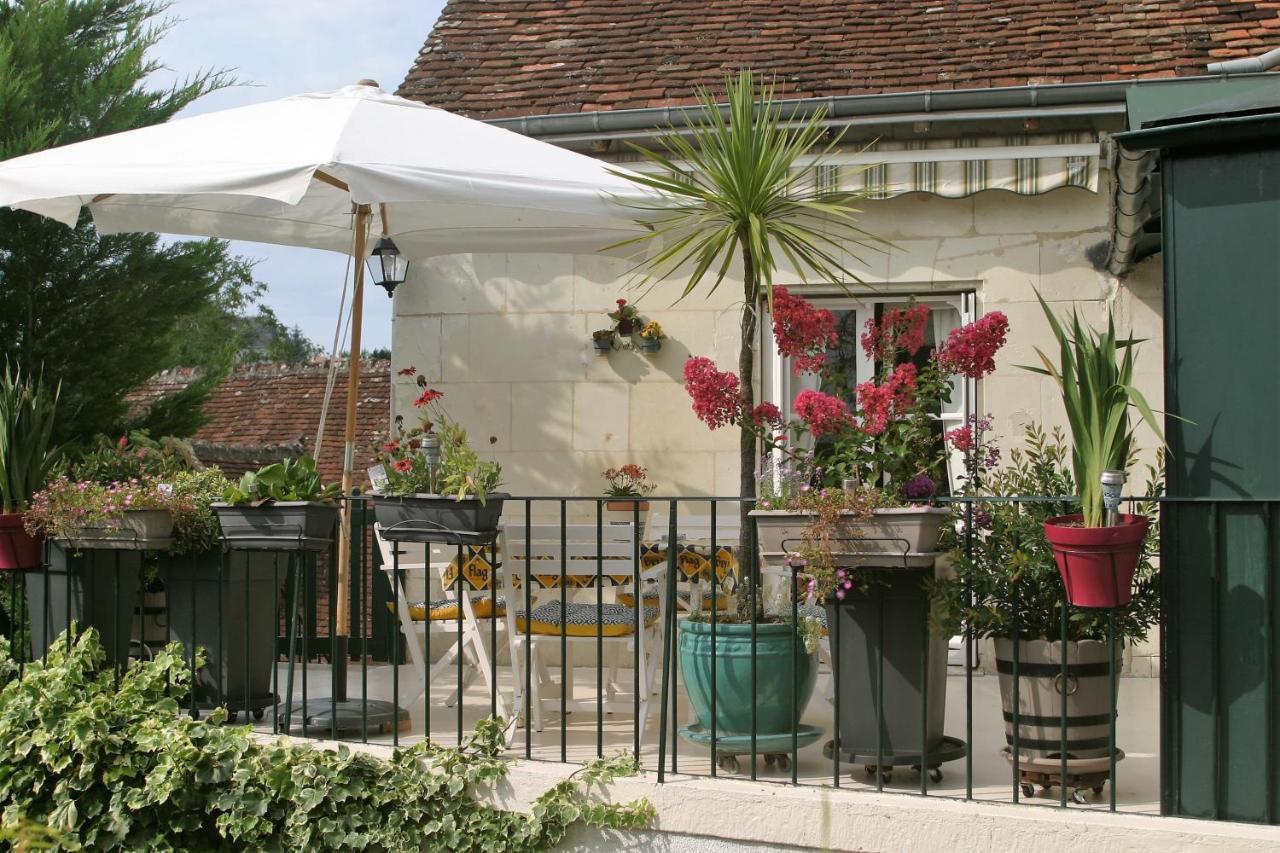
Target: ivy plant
column 101, row 765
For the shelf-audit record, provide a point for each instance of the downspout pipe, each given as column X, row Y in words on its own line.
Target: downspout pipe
column 1248, row 65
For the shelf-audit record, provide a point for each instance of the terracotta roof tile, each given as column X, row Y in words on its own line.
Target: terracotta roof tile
column 259, row 413
column 491, row 58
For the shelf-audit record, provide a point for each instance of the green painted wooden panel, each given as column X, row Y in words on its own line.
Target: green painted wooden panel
column 1222, row 349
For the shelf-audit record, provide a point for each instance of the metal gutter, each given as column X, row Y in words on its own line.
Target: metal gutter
column 1072, row 99
column 1221, row 130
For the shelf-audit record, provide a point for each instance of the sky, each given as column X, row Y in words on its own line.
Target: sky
column 284, row 47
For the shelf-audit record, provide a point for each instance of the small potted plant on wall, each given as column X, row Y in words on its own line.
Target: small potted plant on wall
column 626, row 486
column 651, row 337
column 434, row 486
column 27, row 456
column 1006, row 587
column 603, row 340
column 1097, row 552
column 284, row 506
column 625, row 317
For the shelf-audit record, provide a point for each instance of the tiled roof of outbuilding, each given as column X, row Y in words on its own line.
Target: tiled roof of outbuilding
column 260, row 413
column 492, row 58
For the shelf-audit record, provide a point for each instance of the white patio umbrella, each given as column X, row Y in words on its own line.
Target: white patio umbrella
column 322, row 170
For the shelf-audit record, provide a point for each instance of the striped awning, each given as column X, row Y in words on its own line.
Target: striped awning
column 955, row 168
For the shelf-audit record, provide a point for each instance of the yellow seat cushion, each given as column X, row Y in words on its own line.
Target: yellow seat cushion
column 612, row 620
column 446, row 610
column 726, row 601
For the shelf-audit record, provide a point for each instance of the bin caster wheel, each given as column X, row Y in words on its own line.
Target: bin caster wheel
column 935, row 774
column 1097, row 792
column 728, row 763
column 232, row 716
column 886, row 773
column 194, row 714
column 780, row 761
column 1028, row 790
column 259, row 714
column 1079, row 796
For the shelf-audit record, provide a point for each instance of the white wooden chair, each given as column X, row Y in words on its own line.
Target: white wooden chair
column 695, row 530
column 423, row 617
column 541, row 551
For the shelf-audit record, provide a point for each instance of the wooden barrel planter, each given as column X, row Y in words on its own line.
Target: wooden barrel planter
column 1087, row 686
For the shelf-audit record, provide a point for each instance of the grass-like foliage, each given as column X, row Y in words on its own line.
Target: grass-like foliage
column 86, row 764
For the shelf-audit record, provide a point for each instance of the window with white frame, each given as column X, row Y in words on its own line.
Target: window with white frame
column 947, row 311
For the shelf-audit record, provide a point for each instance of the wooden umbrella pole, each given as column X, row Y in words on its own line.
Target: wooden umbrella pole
column 343, row 608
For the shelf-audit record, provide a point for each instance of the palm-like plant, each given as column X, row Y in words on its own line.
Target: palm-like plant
column 1095, row 376
column 744, row 182
column 27, row 409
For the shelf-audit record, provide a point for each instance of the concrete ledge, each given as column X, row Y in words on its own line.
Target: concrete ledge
column 754, row 814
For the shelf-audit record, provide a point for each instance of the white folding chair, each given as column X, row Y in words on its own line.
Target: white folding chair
column 695, row 530
column 577, row 558
column 419, row 619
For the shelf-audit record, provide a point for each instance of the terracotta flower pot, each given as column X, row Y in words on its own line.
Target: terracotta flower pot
column 1097, row 563
column 18, row 549
column 627, row 505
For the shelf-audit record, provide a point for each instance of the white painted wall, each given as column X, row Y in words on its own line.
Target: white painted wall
column 507, row 337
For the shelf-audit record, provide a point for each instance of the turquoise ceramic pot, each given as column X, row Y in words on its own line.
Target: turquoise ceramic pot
column 785, row 675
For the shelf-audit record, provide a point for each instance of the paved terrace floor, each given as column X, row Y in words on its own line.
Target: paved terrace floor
column 1137, row 733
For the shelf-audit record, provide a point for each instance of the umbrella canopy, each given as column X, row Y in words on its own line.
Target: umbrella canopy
column 324, row 170
column 289, row 171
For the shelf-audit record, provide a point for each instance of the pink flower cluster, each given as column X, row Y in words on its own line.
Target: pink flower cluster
column 898, row 329
column 715, row 393
column 766, row 414
column 822, row 413
column 971, row 350
column 803, row 332
column 969, row 438
column 880, row 404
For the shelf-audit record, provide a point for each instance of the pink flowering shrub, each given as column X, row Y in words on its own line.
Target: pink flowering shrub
column 802, row 331
column 716, row 394
column 888, row 439
column 971, row 350
column 65, row 506
column 899, row 329
column 822, row 413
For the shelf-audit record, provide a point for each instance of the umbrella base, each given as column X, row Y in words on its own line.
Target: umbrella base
column 348, row 718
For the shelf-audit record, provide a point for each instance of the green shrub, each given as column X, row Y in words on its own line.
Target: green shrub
column 290, row 480
column 118, row 767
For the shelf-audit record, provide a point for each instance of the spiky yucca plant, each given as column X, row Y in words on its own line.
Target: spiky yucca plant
column 744, row 181
column 1095, row 375
column 27, row 411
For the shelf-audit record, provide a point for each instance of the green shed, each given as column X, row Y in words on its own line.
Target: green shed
column 1220, row 181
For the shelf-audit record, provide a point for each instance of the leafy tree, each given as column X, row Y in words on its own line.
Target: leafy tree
column 100, row 313
column 740, row 186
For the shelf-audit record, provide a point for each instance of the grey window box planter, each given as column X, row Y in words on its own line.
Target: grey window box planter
column 278, row 526
column 438, row 518
column 889, row 532
column 137, row 530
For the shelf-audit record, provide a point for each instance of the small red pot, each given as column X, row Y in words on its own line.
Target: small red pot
column 626, row 505
column 1097, row 563
column 19, row 550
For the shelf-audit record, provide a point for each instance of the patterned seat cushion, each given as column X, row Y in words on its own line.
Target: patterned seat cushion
column 446, row 610
column 616, row 620
column 814, row 611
